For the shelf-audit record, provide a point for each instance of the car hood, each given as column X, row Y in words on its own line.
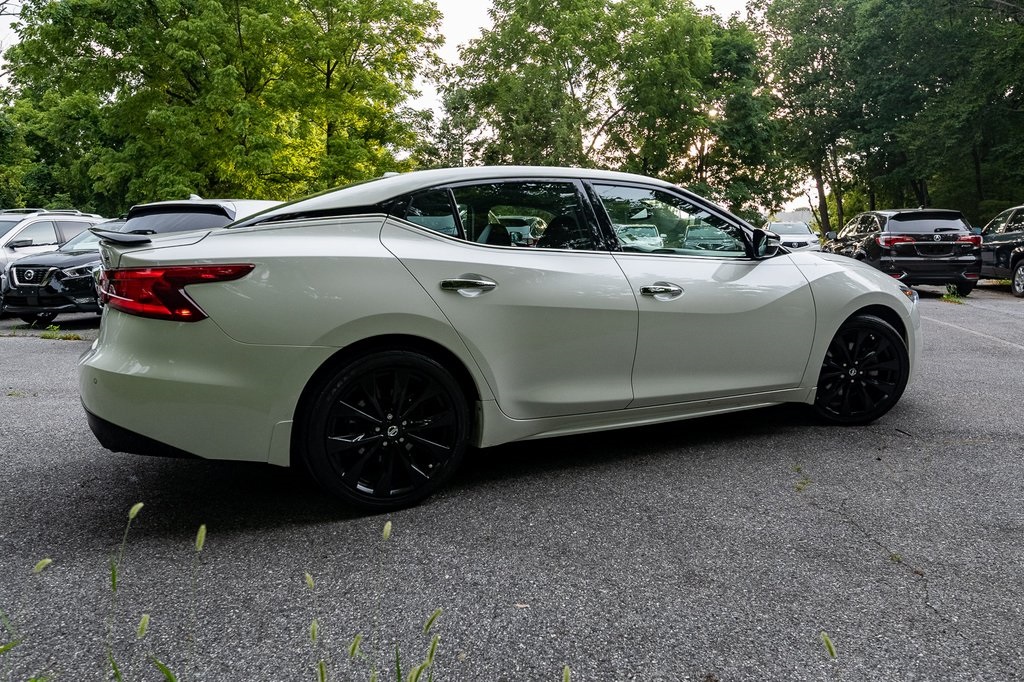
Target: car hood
column 58, row 259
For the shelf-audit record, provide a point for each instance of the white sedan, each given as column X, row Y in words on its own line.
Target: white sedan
column 372, row 333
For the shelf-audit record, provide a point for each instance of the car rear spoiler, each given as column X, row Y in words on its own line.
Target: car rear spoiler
column 121, row 237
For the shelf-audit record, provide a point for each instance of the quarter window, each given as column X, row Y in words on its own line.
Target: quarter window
column 648, row 220
column 1016, row 223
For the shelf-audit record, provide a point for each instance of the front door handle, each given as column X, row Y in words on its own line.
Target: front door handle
column 468, row 285
column 662, row 291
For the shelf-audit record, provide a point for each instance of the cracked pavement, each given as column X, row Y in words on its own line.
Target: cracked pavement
column 715, row 549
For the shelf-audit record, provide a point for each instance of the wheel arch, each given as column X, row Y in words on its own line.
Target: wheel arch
column 389, row 342
column 885, row 313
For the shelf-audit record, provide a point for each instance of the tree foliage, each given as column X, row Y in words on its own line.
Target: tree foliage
column 132, row 100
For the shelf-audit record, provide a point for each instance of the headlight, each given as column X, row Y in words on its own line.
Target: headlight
column 81, row 270
column 908, row 292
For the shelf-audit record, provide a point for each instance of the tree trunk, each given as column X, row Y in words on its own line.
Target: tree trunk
column 819, row 183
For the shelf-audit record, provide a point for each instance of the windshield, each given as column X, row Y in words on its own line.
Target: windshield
column 789, row 228
column 85, row 241
column 6, row 225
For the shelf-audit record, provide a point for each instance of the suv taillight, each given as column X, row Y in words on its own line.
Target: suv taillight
column 888, row 240
column 974, row 239
column 160, row 292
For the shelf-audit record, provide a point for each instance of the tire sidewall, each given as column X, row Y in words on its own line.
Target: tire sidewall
column 880, row 326
column 313, row 426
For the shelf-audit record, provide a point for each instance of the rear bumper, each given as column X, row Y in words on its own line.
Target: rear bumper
column 119, row 439
column 931, row 271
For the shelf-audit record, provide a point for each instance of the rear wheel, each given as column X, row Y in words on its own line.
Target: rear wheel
column 38, row 318
column 385, row 430
column 864, row 372
column 964, row 289
column 1017, row 281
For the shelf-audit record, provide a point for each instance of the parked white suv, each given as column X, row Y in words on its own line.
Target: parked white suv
column 27, row 231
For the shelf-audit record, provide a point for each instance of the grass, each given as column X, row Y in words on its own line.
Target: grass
column 53, row 332
column 376, row 666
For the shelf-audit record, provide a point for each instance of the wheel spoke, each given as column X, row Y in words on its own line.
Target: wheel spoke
column 354, row 471
column 431, row 392
column 441, row 452
column 339, row 444
column 351, row 411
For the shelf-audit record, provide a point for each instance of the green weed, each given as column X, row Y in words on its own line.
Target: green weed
column 952, row 296
column 53, row 333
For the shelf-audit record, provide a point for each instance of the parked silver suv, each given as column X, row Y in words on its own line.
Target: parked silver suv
column 30, row 230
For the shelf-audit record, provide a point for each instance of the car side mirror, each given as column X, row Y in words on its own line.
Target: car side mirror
column 18, row 243
column 830, row 235
column 766, row 244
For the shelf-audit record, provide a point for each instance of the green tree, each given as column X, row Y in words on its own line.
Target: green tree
column 219, row 97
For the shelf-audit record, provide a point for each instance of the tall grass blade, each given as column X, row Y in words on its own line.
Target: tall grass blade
column 430, row 621
column 201, row 537
column 114, row 668
column 829, row 646
column 309, row 581
column 41, row 566
column 398, row 657
column 113, row 574
column 314, row 630
column 143, row 628
column 353, row 648
column 10, row 645
column 134, row 511
column 566, row 674
column 321, row 671
column 164, row 670
column 387, row 531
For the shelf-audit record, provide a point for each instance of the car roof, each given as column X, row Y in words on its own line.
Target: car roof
column 378, row 190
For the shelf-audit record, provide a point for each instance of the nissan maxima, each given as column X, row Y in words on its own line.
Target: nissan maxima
column 371, row 334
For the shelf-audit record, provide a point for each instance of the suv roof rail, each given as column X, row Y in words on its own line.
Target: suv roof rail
column 23, row 211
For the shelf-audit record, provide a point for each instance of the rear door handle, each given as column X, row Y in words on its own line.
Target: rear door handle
column 468, row 285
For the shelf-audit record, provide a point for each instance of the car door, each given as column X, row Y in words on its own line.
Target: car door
column 551, row 324
column 1000, row 241
column 714, row 322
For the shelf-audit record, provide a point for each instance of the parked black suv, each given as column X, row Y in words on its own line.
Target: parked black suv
column 1002, row 249
column 915, row 246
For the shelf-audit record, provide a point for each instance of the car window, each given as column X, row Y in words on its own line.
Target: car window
column 39, row 233
column 1016, row 223
column 789, row 228
column 174, row 220
column 927, row 222
column 647, row 220
column 433, row 210
column 71, row 228
column 998, row 224
column 869, row 224
column 485, row 209
column 851, row 228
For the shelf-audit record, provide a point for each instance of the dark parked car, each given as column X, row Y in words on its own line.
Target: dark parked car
column 40, row 287
column 1002, row 249
column 915, row 246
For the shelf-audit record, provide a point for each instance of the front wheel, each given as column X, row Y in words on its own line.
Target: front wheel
column 385, row 431
column 1017, row 281
column 864, row 372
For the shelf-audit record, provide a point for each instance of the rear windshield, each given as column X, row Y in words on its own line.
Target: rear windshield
column 926, row 222
column 174, row 221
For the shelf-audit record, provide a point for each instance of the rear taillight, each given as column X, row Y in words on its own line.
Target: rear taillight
column 888, row 240
column 973, row 239
column 160, row 292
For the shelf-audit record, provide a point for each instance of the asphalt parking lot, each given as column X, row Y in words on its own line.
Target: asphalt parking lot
column 716, row 549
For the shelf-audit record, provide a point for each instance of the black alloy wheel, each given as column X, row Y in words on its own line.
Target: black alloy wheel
column 864, row 372
column 386, row 430
column 1017, row 280
column 38, row 318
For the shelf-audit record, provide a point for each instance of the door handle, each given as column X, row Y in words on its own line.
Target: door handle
column 662, row 291
column 468, row 285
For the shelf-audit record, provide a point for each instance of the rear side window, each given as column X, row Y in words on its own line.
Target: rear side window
column 71, row 228
column 174, row 221
column 928, row 223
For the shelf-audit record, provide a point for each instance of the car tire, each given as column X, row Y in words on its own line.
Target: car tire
column 963, row 289
column 384, row 431
column 863, row 373
column 1017, row 279
column 38, row 318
